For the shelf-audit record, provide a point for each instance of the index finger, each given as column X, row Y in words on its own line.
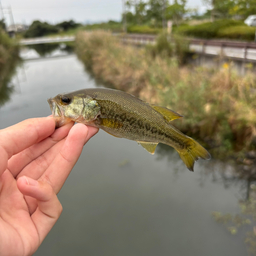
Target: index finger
column 58, row 171
column 22, row 135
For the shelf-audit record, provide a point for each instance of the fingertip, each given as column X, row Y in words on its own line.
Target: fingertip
column 84, row 132
column 39, row 190
column 21, row 181
column 49, row 119
column 92, row 131
column 81, row 128
column 26, row 181
column 62, row 132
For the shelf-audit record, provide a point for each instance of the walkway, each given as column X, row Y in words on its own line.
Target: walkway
column 47, row 40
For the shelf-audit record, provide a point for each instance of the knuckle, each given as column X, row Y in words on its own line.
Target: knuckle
column 66, row 158
column 46, row 178
column 41, row 162
column 60, row 209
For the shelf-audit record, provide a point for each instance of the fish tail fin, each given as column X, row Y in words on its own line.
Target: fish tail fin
column 192, row 153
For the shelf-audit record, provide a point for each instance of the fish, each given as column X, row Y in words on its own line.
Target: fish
column 126, row 116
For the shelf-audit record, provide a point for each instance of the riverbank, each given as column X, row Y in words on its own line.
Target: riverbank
column 9, row 58
column 217, row 105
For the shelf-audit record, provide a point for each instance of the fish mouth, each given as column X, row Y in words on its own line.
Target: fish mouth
column 54, row 108
column 58, row 115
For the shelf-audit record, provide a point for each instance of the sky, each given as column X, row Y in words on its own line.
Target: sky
column 53, row 11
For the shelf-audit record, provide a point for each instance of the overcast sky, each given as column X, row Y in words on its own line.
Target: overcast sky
column 53, row 11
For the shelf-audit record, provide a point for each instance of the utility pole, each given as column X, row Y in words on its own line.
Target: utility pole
column 124, row 17
column 11, row 18
column 163, row 14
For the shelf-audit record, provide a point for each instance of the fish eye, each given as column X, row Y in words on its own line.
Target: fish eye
column 65, row 100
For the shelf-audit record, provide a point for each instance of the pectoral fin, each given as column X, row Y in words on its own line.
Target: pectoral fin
column 168, row 114
column 111, row 123
column 149, row 146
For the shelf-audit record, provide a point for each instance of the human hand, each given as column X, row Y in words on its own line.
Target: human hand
column 35, row 161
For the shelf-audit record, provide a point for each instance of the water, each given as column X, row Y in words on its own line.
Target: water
column 120, row 200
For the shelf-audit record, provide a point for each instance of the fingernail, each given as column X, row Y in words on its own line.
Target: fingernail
column 30, row 181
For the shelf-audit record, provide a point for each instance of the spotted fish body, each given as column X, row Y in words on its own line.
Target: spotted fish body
column 125, row 116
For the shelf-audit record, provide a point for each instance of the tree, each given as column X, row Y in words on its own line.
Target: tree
column 139, row 7
column 156, row 10
column 176, row 11
column 140, row 11
column 2, row 24
column 245, row 7
column 130, row 18
column 38, row 28
column 229, row 8
column 223, row 8
column 66, row 25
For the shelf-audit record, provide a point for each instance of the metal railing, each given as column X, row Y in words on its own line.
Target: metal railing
column 243, row 51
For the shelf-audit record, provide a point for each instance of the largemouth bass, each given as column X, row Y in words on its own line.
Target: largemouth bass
column 125, row 116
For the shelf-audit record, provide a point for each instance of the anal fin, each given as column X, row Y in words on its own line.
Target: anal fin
column 149, row 146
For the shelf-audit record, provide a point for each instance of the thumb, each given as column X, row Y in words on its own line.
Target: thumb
column 49, row 207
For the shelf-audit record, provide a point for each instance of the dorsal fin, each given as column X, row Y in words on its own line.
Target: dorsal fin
column 168, row 114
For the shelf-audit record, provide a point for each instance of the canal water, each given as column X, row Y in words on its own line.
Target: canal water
column 120, row 200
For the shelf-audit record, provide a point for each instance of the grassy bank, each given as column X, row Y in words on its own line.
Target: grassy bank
column 9, row 52
column 218, row 106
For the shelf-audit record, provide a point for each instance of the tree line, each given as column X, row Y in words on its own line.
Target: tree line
column 157, row 12
column 231, row 8
column 154, row 12
column 38, row 28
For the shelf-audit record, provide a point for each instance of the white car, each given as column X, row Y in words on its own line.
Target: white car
column 251, row 20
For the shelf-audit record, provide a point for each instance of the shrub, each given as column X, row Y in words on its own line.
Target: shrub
column 208, row 29
column 162, row 47
column 181, row 46
column 237, row 32
column 165, row 47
